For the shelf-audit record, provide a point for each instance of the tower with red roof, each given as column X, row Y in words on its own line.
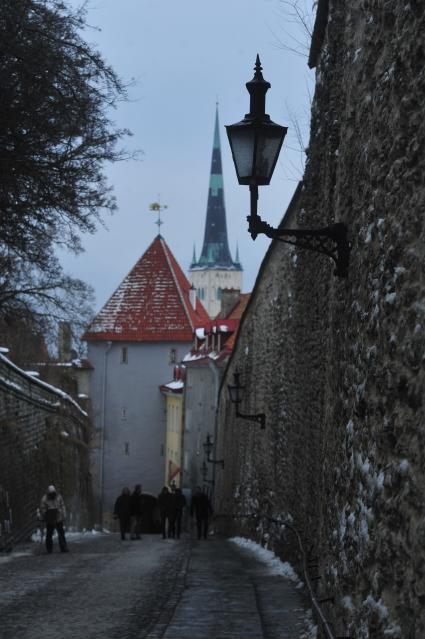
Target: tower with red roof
column 133, row 344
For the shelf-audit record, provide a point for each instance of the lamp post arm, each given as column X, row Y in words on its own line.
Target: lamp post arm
column 254, row 219
column 216, row 461
column 260, row 418
column 329, row 240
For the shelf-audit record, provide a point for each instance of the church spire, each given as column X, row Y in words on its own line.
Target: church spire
column 215, row 270
column 215, row 250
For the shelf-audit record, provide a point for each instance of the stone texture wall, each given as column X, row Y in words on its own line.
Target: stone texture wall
column 44, row 439
column 338, row 365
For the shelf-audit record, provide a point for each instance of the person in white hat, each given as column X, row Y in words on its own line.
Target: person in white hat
column 53, row 512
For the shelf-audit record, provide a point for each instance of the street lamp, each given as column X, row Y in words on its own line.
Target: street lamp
column 255, row 143
column 208, row 446
column 204, row 473
column 236, row 393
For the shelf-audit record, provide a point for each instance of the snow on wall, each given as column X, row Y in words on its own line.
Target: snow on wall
column 44, row 437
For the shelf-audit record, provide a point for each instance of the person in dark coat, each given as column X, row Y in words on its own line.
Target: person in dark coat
column 180, row 503
column 172, row 513
column 164, row 509
column 201, row 507
column 136, row 512
column 53, row 513
column 122, row 511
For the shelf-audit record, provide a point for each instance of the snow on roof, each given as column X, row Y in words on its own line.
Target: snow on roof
column 189, row 357
column 175, row 385
column 152, row 303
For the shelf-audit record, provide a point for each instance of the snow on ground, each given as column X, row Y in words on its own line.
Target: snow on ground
column 282, row 568
column 81, row 535
column 275, row 565
column 14, row 555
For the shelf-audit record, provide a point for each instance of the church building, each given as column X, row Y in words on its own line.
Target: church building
column 215, row 270
column 134, row 342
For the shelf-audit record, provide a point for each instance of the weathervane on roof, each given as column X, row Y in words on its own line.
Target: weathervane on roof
column 157, row 207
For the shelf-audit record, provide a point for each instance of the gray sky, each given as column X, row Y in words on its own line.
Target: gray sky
column 184, row 55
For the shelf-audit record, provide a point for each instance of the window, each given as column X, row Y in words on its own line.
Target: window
column 173, row 355
column 124, row 355
column 126, row 448
column 123, row 413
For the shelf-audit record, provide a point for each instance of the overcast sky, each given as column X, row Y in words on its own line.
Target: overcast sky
column 186, row 54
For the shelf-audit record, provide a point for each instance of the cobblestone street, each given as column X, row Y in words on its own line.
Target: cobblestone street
column 149, row 589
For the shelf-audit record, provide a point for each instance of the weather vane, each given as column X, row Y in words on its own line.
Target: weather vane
column 157, row 207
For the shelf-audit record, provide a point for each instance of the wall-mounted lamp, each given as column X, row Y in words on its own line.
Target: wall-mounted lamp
column 236, row 393
column 204, row 473
column 208, row 448
column 255, row 142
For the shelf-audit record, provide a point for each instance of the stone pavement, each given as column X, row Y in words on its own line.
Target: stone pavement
column 152, row 589
column 230, row 594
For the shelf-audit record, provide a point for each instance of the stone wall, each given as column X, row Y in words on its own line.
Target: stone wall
column 44, row 439
column 338, row 365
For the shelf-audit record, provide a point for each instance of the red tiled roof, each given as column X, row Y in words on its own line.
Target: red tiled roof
column 151, row 303
column 239, row 307
column 236, row 313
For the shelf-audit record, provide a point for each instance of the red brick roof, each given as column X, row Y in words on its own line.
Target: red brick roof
column 151, row 304
column 239, row 307
column 236, row 313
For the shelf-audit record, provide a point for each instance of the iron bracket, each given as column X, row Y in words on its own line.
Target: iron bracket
column 260, row 418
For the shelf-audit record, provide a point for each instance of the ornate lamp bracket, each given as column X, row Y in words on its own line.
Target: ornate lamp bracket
column 329, row 240
column 260, row 418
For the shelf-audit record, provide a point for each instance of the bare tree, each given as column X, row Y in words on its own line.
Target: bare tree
column 56, row 133
column 294, row 36
column 300, row 14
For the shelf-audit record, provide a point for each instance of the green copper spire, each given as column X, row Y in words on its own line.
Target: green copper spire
column 215, row 251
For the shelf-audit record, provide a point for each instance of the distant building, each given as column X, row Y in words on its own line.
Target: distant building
column 134, row 342
column 204, row 366
column 173, row 393
column 215, row 270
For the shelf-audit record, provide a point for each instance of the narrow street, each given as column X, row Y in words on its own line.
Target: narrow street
column 149, row 589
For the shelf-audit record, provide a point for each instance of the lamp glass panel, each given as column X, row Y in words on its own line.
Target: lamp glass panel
column 236, row 393
column 267, row 151
column 243, row 140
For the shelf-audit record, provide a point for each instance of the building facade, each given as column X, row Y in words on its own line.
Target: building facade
column 215, row 270
column 204, row 367
column 173, row 394
column 133, row 345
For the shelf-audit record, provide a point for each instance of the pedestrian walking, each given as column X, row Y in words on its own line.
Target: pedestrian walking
column 122, row 511
column 172, row 513
column 163, row 504
column 180, row 503
column 201, row 507
column 136, row 512
column 53, row 513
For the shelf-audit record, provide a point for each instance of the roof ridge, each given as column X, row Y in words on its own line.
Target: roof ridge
column 166, row 249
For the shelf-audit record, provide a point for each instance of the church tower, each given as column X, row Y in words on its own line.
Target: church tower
column 215, row 270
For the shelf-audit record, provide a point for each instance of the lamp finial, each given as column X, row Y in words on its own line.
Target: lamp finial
column 258, row 68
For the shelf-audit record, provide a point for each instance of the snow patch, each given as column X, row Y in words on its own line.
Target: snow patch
column 390, row 298
column 273, row 563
